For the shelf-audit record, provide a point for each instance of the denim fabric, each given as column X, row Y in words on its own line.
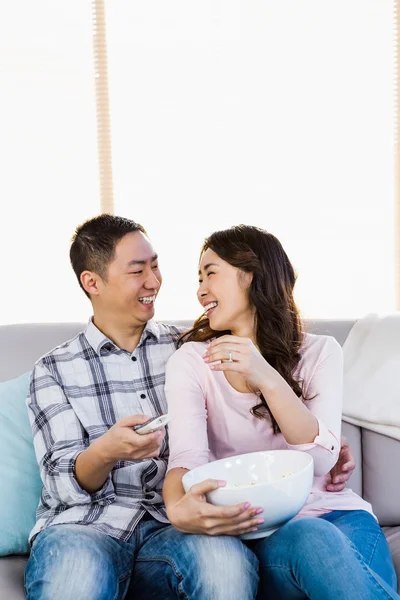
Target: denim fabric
column 77, row 562
column 172, row 565
column 343, row 554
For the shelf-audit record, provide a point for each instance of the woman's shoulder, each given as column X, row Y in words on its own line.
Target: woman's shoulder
column 317, row 348
column 319, row 343
column 188, row 352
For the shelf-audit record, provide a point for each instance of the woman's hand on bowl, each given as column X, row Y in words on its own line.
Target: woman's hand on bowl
column 193, row 514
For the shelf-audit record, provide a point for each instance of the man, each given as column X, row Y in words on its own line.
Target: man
column 101, row 514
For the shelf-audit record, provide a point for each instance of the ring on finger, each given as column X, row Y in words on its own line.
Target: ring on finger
column 230, row 360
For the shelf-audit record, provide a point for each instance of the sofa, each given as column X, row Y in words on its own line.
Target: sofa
column 377, row 456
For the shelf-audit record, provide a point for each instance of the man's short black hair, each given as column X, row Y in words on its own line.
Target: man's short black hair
column 94, row 242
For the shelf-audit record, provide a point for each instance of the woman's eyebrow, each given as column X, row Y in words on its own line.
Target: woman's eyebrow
column 207, row 266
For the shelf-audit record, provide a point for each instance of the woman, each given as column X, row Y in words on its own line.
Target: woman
column 245, row 379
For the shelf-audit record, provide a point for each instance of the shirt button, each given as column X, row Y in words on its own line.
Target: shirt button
column 333, row 447
column 134, row 358
column 143, row 396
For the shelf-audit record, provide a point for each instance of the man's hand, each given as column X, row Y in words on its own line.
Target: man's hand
column 93, row 465
column 193, row 514
column 342, row 471
column 122, row 443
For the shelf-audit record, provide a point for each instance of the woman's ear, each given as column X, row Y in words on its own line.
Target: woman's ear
column 246, row 279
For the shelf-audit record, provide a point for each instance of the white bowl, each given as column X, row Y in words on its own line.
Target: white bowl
column 279, row 481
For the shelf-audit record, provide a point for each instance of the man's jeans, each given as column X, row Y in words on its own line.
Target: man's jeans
column 343, row 554
column 76, row 562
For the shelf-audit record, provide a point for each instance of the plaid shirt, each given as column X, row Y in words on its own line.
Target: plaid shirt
column 77, row 392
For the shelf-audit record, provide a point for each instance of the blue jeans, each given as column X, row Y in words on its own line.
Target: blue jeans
column 343, row 554
column 77, row 562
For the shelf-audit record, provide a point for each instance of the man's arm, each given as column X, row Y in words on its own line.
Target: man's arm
column 343, row 470
column 94, row 464
column 73, row 471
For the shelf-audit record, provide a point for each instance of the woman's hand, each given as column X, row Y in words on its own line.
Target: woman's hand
column 193, row 514
column 239, row 354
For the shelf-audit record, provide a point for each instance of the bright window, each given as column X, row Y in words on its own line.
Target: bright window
column 48, row 154
column 277, row 114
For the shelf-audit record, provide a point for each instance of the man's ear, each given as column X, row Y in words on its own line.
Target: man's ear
column 90, row 282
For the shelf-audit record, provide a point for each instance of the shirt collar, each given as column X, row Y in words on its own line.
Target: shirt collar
column 152, row 329
column 98, row 340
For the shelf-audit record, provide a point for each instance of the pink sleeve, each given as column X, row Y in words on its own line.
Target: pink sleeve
column 326, row 390
column 186, row 399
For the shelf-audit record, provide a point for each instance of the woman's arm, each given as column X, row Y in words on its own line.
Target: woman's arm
column 190, row 512
column 173, row 490
column 313, row 426
column 325, row 388
column 296, row 422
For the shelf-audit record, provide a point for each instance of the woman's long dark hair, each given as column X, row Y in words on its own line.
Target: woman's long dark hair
column 279, row 335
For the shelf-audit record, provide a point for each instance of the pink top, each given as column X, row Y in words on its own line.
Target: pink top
column 212, row 420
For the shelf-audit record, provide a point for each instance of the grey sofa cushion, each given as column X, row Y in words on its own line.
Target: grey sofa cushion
column 12, row 577
column 381, row 483
column 22, row 345
column 393, row 537
column 339, row 329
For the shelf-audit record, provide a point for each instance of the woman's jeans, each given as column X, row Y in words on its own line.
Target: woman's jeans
column 341, row 555
column 77, row 562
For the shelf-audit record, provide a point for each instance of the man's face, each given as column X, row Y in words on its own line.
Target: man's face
column 133, row 281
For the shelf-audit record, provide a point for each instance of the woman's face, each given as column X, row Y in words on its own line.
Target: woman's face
column 224, row 294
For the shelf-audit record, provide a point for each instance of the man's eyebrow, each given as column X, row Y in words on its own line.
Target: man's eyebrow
column 207, row 266
column 134, row 262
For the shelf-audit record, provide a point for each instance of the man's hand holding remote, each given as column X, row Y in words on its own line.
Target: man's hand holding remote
column 120, row 442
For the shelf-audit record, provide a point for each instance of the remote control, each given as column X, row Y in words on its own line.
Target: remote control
column 152, row 425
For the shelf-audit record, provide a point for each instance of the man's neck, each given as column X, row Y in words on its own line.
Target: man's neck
column 125, row 336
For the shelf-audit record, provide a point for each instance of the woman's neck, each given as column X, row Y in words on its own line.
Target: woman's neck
column 245, row 329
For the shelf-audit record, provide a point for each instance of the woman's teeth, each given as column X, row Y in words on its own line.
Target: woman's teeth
column 210, row 306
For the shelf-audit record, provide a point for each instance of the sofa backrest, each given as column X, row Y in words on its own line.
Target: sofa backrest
column 22, row 344
column 377, row 457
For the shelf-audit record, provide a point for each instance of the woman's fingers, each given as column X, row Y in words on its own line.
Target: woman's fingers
column 222, row 354
column 221, row 519
column 236, row 529
column 208, row 485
